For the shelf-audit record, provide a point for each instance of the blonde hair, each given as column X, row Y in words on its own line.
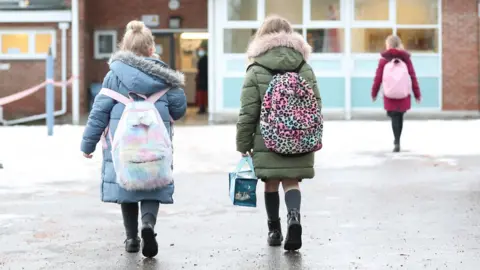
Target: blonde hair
column 137, row 39
column 274, row 24
column 394, row 42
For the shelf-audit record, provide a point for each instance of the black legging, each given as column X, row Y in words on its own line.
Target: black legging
column 397, row 124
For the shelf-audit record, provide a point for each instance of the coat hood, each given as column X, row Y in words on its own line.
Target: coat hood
column 144, row 75
column 267, row 42
column 280, row 50
column 396, row 53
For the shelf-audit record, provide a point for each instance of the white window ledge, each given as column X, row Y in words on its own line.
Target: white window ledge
column 16, row 16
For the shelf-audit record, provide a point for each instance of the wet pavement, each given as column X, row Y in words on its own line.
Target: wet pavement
column 405, row 214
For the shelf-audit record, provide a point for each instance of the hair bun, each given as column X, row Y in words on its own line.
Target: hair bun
column 135, row 26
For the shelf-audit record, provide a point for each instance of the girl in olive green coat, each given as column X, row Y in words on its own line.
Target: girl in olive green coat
column 277, row 47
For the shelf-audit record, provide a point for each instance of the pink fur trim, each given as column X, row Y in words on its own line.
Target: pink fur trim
column 295, row 41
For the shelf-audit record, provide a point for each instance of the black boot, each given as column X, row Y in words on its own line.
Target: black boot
column 294, row 231
column 275, row 236
column 149, row 243
column 202, row 110
column 396, row 148
column 132, row 245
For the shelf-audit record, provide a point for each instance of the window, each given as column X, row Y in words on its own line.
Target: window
column 237, row 40
column 291, row 10
column 26, row 43
column 15, row 43
column 367, row 40
column 325, row 10
column 242, row 10
column 417, row 11
column 326, row 40
column 419, row 40
column 105, row 43
column 372, row 10
column 42, row 43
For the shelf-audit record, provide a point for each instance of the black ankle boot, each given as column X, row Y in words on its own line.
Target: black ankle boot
column 149, row 243
column 396, row 148
column 275, row 236
column 294, row 231
column 132, row 245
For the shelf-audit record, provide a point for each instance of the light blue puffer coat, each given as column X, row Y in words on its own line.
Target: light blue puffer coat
column 131, row 73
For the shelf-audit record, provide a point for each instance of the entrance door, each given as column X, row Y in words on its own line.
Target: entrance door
column 165, row 48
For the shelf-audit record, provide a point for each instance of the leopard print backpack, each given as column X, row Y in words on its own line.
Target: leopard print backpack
column 291, row 122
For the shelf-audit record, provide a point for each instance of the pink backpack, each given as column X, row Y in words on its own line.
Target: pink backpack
column 397, row 83
column 141, row 147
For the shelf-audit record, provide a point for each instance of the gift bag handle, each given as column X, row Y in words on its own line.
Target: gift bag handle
column 242, row 162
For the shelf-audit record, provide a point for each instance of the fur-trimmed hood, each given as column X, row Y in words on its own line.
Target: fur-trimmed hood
column 144, row 75
column 265, row 43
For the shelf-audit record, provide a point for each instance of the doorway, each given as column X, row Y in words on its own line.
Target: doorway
column 179, row 50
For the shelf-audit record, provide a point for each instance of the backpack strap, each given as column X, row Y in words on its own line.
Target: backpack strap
column 124, row 100
column 116, row 96
column 297, row 70
column 277, row 71
column 155, row 97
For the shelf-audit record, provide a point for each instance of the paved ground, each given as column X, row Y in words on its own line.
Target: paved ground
column 407, row 214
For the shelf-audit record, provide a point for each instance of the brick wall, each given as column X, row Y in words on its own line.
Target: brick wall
column 460, row 55
column 115, row 14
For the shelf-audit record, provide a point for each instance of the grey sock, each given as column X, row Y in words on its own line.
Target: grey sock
column 293, row 199
column 130, row 219
column 149, row 212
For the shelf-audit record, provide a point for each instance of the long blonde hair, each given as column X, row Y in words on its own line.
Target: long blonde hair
column 274, row 24
column 394, row 42
column 138, row 39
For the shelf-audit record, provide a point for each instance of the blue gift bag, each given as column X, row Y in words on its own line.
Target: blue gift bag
column 243, row 184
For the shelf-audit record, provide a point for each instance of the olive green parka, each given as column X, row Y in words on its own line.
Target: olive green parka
column 277, row 51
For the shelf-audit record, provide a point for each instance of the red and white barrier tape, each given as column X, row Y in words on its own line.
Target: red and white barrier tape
column 34, row 89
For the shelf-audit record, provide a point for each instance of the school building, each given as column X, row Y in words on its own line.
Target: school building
column 346, row 37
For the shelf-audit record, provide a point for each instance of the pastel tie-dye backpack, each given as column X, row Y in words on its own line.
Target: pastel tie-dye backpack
column 291, row 122
column 142, row 150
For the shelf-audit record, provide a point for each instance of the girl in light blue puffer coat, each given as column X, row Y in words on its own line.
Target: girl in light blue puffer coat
column 134, row 68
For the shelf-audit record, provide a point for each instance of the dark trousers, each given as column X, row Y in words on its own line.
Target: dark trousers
column 397, row 124
column 149, row 211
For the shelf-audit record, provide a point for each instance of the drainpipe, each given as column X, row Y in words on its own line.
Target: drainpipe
column 212, row 55
column 75, row 64
column 478, row 48
column 64, row 27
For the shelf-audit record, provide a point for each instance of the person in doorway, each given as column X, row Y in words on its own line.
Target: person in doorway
column 396, row 73
column 132, row 68
column 275, row 46
column 202, row 78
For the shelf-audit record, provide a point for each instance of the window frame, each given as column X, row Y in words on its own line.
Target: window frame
column 96, row 43
column 31, row 55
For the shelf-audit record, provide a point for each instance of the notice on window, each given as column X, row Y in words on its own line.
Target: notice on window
column 14, row 51
column 159, row 49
